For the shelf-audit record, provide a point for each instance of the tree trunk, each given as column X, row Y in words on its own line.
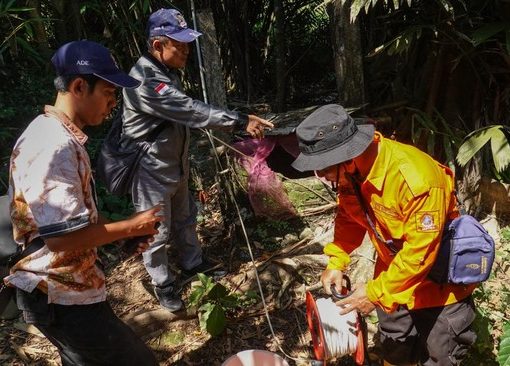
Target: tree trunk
column 214, row 79
column 247, row 60
column 59, row 26
column 67, row 25
column 39, row 32
column 347, row 54
column 73, row 20
column 280, row 55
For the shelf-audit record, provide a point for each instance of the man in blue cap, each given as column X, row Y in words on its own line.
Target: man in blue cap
column 163, row 173
column 60, row 284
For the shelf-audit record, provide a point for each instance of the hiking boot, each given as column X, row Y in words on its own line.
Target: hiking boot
column 168, row 297
column 204, row 267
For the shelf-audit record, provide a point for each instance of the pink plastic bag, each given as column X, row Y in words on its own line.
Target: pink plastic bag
column 265, row 190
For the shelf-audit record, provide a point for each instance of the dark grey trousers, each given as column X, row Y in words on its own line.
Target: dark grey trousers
column 179, row 225
column 439, row 336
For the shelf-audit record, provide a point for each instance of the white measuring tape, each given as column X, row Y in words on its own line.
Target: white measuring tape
column 340, row 331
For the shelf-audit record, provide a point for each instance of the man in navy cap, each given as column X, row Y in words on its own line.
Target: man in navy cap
column 60, row 286
column 163, row 173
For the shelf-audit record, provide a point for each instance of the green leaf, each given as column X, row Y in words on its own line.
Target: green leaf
column 431, row 142
column 447, row 6
column 504, row 346
column 500, row 150
column 229, row 302
column 205, row 310
column 215, row 322
column 450, row 157
column 356, row 7
column 497, row 134
column 487, row 31
column 207, row 281
column 196, row 295
column 217, row 291
column 146, row 6
column 474, row 142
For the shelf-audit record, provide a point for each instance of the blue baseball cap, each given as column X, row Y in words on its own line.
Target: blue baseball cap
column 87, row 57
column 170, row 23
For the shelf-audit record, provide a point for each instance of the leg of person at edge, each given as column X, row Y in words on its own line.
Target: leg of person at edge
column 163, row 173
column 409, row 197
column 61, row 286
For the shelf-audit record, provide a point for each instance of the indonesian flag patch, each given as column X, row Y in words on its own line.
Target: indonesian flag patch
column 427, row 221
column 161, row 88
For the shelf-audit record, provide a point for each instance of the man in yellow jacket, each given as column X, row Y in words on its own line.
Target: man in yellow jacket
column 402, row 198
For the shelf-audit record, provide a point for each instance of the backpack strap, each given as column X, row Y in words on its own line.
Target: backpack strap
column 153, row 135
column 460, row 203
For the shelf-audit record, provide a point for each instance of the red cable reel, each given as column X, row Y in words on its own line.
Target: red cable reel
column 320, row 347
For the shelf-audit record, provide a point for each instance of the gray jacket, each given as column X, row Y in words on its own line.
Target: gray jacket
column 160, row 99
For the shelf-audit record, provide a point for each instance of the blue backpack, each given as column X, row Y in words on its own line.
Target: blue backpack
column 466, row 253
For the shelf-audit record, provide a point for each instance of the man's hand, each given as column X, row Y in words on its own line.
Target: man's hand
column 332, row 277
column 144, row 223
column 136, row 245
column 357, row 300
column 257, row 125
column 145, row 226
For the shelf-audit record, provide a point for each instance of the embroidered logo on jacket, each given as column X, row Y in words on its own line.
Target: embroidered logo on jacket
column 161, row 88
column 389, row 211
column 427, row 221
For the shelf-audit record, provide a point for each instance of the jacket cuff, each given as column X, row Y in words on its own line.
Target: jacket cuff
column 242, row 122
column 338, row 258
column 376, row 296
column 371, row 294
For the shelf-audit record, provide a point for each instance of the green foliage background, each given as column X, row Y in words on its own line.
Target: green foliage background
column 435, row 70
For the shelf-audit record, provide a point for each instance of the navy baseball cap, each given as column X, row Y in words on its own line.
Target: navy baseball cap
column 87, row 57
column 170, row 23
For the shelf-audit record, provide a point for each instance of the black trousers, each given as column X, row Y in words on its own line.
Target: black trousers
column 85, row 334
column 439, row 336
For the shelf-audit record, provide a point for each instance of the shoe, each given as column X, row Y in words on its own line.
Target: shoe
column 204, row 267
column 168, row 297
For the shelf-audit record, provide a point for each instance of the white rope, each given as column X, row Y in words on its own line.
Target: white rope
column 340, row 333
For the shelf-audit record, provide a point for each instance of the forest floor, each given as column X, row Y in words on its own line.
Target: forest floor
column 287, row 255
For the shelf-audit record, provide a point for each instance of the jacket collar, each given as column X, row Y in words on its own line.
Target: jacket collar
column 158, row 64
column 378, row 172
column 67, row 123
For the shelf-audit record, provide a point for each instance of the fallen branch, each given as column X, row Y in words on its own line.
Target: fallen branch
column 284, row 251
column 318, row 210
column 151, row 320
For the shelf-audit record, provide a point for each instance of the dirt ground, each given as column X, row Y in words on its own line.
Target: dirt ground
column 176, row 339
column 288, row 258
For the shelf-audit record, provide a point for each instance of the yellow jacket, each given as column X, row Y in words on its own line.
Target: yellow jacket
column 411, row 197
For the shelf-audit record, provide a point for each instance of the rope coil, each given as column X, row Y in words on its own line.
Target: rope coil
column 340, row 331
column 334, row 335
